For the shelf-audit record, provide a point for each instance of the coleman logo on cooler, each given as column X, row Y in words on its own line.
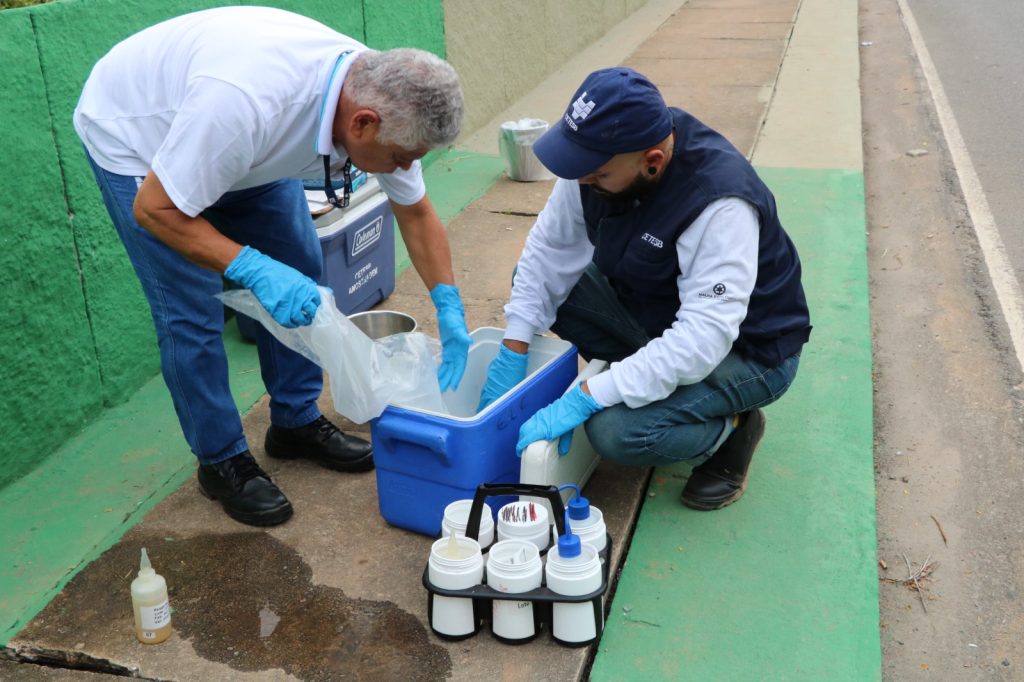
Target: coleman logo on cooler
column 367, row 236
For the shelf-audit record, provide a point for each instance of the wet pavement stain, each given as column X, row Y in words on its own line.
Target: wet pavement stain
column 246, row 600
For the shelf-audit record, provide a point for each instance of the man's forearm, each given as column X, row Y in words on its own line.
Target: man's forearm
column 194, row 238
column 427, row 242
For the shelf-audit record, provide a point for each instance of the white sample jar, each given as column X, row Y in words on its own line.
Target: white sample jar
column 525, row 521
column 456, row 518
column 456, row 565
column 586, row 521
column 574, row 575
column 514, row 566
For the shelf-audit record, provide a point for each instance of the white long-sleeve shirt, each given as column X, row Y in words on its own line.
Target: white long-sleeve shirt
column 717, row 257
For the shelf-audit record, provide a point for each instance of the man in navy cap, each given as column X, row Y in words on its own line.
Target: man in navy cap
column 659, row 251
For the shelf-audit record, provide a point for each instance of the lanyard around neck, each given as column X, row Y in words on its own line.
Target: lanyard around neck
column 346, row 194
column 346, row 170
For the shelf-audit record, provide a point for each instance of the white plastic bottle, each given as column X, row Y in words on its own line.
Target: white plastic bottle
column 525, row 521
column 456, row 518
column 455, row 563
column 513, row 567
column 588, row 523
column 574, row 569
column 150, row 604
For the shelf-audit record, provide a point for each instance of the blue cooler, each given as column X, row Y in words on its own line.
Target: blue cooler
column 359, row 253
column 358, row 246
column 426, row 460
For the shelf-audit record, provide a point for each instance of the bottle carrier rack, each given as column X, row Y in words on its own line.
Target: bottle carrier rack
column 541, row 597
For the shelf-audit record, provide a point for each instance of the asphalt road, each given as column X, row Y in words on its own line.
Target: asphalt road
column 949, row 396
column 979, row 55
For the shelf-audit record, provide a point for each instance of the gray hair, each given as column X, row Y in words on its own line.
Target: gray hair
column 415, row 93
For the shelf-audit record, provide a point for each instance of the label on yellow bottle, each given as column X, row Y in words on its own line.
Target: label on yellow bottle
column 155, row 617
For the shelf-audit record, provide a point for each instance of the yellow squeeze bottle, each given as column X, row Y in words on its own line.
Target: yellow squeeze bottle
column 150, row 604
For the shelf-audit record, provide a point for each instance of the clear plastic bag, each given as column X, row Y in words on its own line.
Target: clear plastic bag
column 365, row 375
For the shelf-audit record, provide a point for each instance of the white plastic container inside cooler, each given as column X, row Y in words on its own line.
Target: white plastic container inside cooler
column 542, row 464
column 461, row 404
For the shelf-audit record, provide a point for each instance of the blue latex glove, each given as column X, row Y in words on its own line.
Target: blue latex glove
column 455, row 339
column 504, row 372
column 290, row 297
column 558, row 420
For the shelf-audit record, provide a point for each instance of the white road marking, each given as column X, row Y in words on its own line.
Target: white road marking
column 1007, row 289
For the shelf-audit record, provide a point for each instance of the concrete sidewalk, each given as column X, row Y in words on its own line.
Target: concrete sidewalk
column 779, row 586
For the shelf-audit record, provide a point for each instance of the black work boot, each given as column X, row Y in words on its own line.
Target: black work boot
column 322, row 442
column 721, row 480
column 245, row 491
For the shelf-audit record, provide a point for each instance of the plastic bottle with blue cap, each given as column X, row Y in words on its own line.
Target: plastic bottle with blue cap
column 574, row 569
column 587, row 521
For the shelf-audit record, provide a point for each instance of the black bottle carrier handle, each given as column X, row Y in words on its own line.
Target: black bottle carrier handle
column 483, row 594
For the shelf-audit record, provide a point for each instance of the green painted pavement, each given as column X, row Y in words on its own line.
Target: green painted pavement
column 783, row 585
column 88, row 493
column 454, row 179
column 94, row 488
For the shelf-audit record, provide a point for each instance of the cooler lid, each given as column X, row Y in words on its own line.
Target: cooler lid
column 325, row 214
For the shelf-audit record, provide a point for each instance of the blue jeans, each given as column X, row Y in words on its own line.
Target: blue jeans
column 189, row 321
column 688, row 423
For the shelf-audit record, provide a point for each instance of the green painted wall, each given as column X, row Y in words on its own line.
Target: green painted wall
column 77, row 336
column 49, row 375
column 413, row 23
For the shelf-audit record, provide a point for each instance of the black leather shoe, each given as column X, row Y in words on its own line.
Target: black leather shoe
column 721, row 480
column 322, row 442
column 245, row 491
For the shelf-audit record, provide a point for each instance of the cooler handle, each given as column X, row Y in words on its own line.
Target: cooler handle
column 433, row 438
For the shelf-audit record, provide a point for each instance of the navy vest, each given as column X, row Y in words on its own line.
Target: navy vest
column 704, row 167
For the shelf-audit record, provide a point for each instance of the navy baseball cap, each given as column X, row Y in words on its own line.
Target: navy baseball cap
column 614, row 111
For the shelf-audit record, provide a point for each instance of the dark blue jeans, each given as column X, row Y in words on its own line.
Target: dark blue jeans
column 189, row 321
column 687, row 424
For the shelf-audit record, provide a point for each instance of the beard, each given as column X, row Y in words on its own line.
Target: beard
column 638, row 190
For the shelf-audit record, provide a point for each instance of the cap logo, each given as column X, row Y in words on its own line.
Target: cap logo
column 581, row 108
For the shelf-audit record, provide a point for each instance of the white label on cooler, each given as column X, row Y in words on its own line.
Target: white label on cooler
column 362, row 276
column 155, row 617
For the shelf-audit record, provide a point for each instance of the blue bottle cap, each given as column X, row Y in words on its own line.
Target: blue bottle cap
column 568, row 546
column 579, row 508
